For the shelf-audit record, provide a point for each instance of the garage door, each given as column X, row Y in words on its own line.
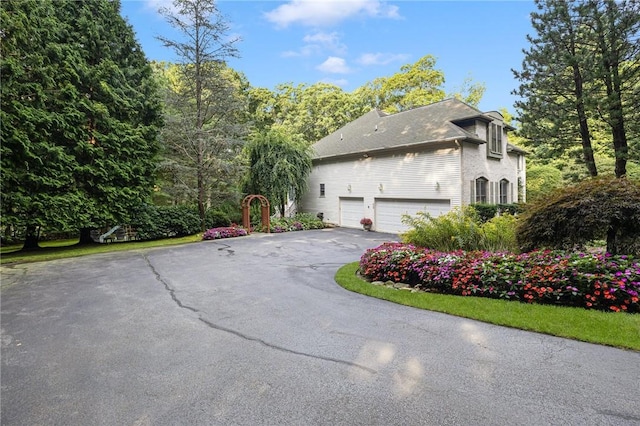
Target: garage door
column 389, row 212
column 351, row 211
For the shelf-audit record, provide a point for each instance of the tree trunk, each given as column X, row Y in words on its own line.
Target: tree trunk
column 85, row 236
column 587, row 150
column 612, row 241
column 31, row 238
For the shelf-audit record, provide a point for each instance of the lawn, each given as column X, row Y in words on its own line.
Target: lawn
column 62, row 249
column 621, row 330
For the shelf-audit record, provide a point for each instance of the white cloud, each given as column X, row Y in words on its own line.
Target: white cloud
column 368, row 59
column 317, row 44
column 316, row 13
column 334, row 65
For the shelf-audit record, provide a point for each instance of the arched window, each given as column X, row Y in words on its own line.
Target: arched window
column 481, row 190
column 504, row 192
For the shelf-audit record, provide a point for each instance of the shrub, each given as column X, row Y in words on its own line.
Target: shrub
column 455, row 230
column 598, row 208
column 299, row 222
column 499, row 234
column 224, row 232
column 154, row 222
column 216, row 218
column 461, row 229
column 591, row 281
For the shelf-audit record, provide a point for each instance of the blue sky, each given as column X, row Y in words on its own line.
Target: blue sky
column 352, row 42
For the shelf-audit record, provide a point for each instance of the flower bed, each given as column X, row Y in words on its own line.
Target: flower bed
column 300, row 222
column 592, row 281
column 224, row 232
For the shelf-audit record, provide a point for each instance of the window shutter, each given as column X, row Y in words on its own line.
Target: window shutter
column 490, row 200
column 512, row 198
column 472, row 192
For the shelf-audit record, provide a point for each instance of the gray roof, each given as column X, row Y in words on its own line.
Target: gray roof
column 377, row 131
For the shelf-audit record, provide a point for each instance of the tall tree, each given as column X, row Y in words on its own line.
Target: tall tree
column 580, row 71
column 416, row 84
column 79, row 118
column 552, row 80
column 280, row 164
column 616, row 29
column 203, row 162
column 203, row 129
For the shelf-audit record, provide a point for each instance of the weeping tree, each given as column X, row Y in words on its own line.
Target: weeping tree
column 280, row 164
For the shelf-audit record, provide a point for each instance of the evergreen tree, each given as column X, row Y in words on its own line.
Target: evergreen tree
column 204, row 133
column 581, row 73
column 79, row 116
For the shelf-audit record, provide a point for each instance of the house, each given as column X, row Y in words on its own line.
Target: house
column 432, row 158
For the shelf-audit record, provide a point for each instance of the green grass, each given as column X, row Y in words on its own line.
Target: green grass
column 620, row 330
column 51, row 250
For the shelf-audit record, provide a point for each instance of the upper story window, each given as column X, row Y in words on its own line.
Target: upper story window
column 322, row 189
column 481, row 190
column 494, row 140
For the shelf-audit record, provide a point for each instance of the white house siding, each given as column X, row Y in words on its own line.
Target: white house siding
column 475, row 164
column 426, row 174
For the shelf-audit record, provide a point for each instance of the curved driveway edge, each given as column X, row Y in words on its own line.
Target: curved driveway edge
column 255, row 331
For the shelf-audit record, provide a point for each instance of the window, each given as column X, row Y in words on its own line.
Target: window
column 504, row 191
column 481, row 190
column 494, row 138
column 322, row 189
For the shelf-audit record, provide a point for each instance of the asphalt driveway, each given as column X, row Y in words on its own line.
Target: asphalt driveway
column 254, row 331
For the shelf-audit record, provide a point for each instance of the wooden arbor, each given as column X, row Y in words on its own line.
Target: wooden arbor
column 265, row 212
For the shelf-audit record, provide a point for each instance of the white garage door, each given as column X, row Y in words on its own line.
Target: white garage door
column 351, row 211
column 389, row 212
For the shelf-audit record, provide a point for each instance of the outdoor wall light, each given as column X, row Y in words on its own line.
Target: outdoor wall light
column 380, row 187
column 437, row 186
column 349, row 187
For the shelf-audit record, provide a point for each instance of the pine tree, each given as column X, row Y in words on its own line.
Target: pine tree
column 80, row 116
column 203, row 138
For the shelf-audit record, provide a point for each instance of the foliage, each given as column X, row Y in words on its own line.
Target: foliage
column 280, row 164
column 315, row 111
column 216, row 218
column 202, row 136
column 79, row 115
column 460, row 229
column 579, row 81
column 486, row 212
column 595, row 209
column 155, row 222
column 542, row 180
column 592, row 281
column 366, row 221
column 224, row 232
column 299, row 222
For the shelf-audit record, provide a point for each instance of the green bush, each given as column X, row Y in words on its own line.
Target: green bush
column 499, row 234
column 461, row 229
column 603, row 208
column 153, row 222
column 299, row 222
column 487, row 212
column 455, row 230
column 216, row 219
